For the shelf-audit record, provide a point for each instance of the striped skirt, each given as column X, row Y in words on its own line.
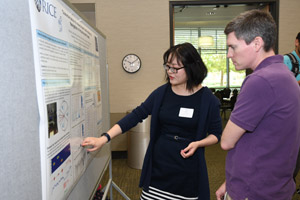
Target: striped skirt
column 156, row 194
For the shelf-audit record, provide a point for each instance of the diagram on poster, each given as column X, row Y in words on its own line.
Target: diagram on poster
column 64, row 115
column 67, row 69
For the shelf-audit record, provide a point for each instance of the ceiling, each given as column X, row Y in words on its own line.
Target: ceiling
column 195, row 16
column 209, row 16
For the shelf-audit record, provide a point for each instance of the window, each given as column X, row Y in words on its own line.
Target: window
column 221, row 72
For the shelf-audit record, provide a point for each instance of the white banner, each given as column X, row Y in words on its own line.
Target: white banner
column 67, row 71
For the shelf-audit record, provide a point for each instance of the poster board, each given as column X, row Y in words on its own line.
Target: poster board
column 72, row 96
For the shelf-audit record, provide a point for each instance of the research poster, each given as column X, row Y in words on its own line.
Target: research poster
column 67, row 69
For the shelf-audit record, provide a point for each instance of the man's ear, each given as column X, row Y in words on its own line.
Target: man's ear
column 258, row 43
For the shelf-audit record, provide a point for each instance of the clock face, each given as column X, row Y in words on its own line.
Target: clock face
column 131, row 63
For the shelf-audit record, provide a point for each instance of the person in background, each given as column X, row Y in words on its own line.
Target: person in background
column 262, row 135
column 296, row 53
column 233, row 98
column 288, row 62
column 185, row 118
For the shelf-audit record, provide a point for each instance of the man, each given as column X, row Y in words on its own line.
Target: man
column 263, row 132
column 296, row 53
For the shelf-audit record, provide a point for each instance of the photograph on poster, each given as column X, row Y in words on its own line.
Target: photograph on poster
column 52, row 119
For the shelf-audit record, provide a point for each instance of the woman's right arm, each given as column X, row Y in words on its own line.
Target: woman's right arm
column 130, row 120
column 126, row 123
column 94, row 143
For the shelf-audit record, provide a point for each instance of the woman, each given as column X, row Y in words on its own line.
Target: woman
column 185, row 117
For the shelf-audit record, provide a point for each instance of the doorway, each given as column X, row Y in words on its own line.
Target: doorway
column 202, row 24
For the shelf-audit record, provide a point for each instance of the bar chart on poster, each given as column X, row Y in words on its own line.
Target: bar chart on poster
column 71, row 84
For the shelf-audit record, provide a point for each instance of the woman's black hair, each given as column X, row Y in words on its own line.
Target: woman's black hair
column 194, row 67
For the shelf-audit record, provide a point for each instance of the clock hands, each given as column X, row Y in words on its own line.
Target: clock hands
column 135, row 60
column 132, row 63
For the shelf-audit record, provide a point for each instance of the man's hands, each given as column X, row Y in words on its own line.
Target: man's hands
column 221, row 191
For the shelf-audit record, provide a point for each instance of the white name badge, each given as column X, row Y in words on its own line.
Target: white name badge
column 186, row 112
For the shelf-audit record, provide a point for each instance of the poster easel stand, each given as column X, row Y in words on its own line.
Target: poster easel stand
column 111, row 184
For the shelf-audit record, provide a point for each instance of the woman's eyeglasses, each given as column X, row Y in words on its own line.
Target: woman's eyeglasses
column 172, row 69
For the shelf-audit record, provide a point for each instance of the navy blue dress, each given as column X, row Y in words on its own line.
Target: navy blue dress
column 171, row 172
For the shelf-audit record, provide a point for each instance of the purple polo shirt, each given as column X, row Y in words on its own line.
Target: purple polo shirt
column 268, row 107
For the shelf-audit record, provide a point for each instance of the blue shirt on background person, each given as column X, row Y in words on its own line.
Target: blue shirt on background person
column 296, row 53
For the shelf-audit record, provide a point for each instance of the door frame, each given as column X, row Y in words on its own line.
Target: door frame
column 273, row 6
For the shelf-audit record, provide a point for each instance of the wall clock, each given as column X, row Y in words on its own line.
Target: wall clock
column 131, row 63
